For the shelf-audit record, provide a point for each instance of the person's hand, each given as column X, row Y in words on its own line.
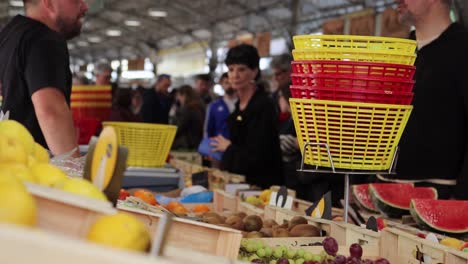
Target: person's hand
column 220, row 143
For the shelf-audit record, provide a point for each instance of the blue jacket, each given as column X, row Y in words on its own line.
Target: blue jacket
column 216, row 119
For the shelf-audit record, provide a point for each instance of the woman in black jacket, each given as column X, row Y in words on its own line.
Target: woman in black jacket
column 254, row 149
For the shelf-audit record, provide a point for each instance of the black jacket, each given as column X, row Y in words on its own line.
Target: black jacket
column 255, row 150
column 434, row 144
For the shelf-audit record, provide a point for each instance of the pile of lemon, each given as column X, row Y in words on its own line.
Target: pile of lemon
column 23, row 160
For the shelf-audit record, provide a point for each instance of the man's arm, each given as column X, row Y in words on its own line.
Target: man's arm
column 55, row 120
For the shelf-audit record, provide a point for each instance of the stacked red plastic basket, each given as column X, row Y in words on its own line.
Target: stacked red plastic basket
column 90, row 105
column 351, row 98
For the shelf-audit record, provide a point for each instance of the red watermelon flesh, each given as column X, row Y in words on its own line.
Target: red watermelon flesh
column 442, row 215
column 362, row 197
column 400, row 195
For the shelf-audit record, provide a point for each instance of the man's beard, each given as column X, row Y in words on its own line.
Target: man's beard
column 406, row 19
column 69, row 31
column 230, row 91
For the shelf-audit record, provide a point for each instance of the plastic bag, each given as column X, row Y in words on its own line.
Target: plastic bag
column 73, row 167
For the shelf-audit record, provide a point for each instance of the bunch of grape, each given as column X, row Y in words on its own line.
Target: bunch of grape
column 256, row 252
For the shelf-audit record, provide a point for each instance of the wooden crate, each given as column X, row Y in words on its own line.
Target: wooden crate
column 218, row 179
column 67, row 213
column 345, row 234
column 400, row 247
column 202, row 237
column 26, row 246
column 249, row 209
column 190, row 157
column 223, row 201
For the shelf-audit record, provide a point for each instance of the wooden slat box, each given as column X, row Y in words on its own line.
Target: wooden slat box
column 202, row 237
column 400, row 247
column 25, row 246
column 67, row 213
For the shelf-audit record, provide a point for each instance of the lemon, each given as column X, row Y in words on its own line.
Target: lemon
column 40, row 154
column 451, row 242
column 120, row 230
column 48, row 175
column 17, row 206
column 11, row 150
column 83, row 187
column 18, row 170
column 16, row 130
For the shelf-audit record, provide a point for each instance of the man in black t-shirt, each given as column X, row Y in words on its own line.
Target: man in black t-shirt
column 434, row 145
column 35, row 71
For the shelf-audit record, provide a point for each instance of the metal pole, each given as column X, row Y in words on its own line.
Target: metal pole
column 157, row 249
column 346, row 198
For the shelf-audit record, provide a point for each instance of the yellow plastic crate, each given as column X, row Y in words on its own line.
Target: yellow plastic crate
column 148, row 144
column 353, row 55
column 357, row 43
column 361, row 136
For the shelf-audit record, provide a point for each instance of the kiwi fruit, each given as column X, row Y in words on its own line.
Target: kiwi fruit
column 297, row 220
column 235, row 222
column 253, row 223
column 213, row 220
column 254, row 234
column 221, row 219
column 304, row 230
column 242, row 215
column 280, row 232
column 269, row 223
column 267, row 231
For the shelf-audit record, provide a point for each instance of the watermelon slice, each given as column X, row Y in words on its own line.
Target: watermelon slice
column 446, row 216
column 362, row 197
column 393, row 199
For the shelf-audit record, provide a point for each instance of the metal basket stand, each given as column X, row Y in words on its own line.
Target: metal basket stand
column 346, row 173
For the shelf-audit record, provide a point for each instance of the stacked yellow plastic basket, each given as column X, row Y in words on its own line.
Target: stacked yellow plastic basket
column 351, row 98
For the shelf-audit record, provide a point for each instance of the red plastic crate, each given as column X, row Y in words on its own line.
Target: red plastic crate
column 100, row 113
column 352, row 95
column 86, row 128
column 355, row 69
column 340, row 82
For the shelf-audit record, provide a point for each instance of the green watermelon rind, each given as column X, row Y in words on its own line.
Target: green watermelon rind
column 426, row 225
column 386, row 208
column 362, row 205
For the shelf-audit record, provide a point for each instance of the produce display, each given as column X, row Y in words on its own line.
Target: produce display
column 393, row 199
column 257, row 252
column 253, row 226
column 444, row 216
column 24, row 161
column 362, row 197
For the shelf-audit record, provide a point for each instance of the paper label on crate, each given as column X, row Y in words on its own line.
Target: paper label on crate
column 321, row 208
column 233, row 187
column 281, row 198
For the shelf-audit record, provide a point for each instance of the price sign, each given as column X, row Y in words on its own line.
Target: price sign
column 321, row 208
column 281, row 198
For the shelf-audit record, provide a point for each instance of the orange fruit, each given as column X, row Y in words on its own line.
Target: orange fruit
column 146, row 196
column 201, row 208
column 172, row 205
column 180, row 210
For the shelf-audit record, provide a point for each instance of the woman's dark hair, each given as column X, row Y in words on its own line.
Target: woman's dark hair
column 246, row 55
column 243, row 54
column 189, row 93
